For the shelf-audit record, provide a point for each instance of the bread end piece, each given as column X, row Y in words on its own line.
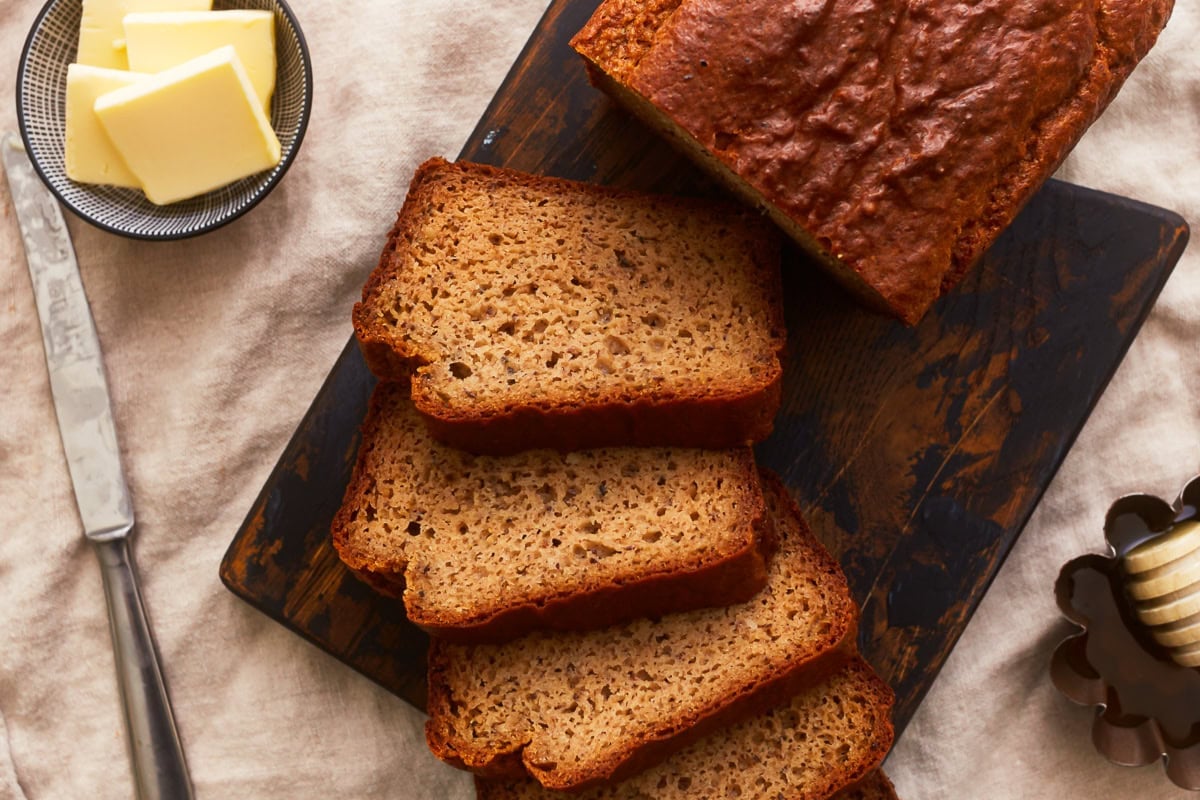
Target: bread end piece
column 897, row 218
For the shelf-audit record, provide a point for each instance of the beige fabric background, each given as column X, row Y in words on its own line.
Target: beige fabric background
column 215, row 346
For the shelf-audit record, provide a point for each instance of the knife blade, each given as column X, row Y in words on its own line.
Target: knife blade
column 85, row 423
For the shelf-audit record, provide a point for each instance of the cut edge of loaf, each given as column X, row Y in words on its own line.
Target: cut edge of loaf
column 719, row 418
column 755, row 697
column 724, row 580
column 863, row 780
column 1048, row 145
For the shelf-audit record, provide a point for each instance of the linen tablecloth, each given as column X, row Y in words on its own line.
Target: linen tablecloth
column 215, row 347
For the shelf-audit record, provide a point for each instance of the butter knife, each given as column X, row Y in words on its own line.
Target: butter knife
column 89, row 440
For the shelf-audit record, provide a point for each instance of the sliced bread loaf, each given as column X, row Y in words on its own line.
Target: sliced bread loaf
column 825, row 738
column 537, row 312
column 575, row 710
column 486, row 547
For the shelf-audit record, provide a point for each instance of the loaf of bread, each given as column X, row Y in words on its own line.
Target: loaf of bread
column 894, row 141
column 537, row 312
column 823, row 739
column 574, row 710
column 484, row 548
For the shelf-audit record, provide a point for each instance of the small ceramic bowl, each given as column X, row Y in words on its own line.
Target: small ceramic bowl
column 41, row 104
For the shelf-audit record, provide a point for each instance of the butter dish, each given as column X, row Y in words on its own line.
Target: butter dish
column 42, row 104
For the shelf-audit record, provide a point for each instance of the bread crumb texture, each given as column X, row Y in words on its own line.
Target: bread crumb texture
column 825, row 738
column 505, row 290
column 473, row 535
column 575, row 707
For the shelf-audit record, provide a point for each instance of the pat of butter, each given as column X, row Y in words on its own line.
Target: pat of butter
column 90, row 155
column 190, row 129
column 158, row 41
column 102, row 36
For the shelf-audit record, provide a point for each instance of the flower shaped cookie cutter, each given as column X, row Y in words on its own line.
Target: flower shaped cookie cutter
column 1147, row 706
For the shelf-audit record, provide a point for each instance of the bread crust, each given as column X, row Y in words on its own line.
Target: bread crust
column 733, row 419
column 875, row 786
column 902, row 229
column 718, row 417
column 756, row 695
column 718, row 580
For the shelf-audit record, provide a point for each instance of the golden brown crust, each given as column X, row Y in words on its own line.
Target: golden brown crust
column 721, row 415
column 756, row 695
column 715, row 580
column 712, row 423
column 1126, row 30
column 894, row 141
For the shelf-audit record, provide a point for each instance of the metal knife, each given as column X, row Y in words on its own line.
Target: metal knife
column 89, row 441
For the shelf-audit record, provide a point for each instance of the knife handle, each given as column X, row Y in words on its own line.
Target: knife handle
column 159, row 768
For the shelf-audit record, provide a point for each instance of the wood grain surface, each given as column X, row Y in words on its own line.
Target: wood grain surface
column 917, row 453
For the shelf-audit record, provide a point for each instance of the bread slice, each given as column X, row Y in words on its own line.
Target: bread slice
column 484, row 548
column 825, row 738
column 875, row 786
column 537, row 312
column 576, row 710
column 894, row 167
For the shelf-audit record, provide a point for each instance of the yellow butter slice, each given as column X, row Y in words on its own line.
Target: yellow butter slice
column 190, row 129
column 159, row 41
column 102, row 34
column 89, row 154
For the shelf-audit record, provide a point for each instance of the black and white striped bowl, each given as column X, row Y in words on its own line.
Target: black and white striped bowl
column 41, row 108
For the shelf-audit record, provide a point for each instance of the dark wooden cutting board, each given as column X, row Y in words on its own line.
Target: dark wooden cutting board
column 917, row 453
